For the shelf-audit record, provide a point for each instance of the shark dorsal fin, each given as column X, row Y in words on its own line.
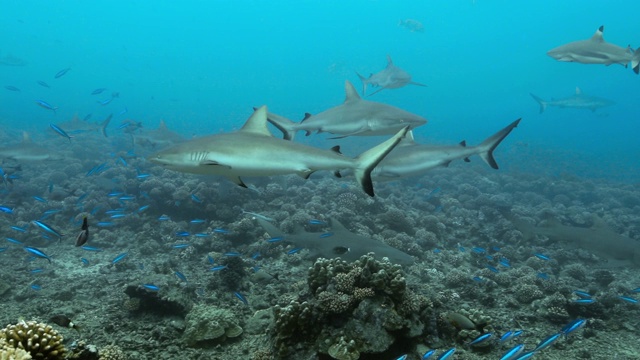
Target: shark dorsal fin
column 163, row 125
column 352, row 94
column 578, row 91
column 389, row 61
column 336, row 226
column 257, row 122
column 25, row 137
column 597, row 36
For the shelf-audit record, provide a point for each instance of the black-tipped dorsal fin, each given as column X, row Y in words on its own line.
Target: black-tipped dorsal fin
column 463, row 143
column 336, row 149
column 257, row 122
column 597, row 36
column 578, row 91
column 306, row 116
column 389, row 61
column 352, row 94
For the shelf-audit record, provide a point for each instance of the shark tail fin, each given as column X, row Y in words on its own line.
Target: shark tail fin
column 104, row 124
column 635, row 61
column 364, row 83
column 491, row 143
column 368, row 160
column 542, row 103
column 283, row 124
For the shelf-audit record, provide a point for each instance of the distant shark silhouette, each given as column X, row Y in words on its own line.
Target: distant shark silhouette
column 391, row 77
column 340, row 242
column 157, row 139
column 27, row 151
column 354, row 117
column 577, row 101
column 599, row 239
column 79, row 126
column 597, row 51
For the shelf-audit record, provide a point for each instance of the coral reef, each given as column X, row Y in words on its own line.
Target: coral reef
column 40, row 340
column 205, row 324
column 112, row 352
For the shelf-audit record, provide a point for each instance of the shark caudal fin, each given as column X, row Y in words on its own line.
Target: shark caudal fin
column 542, row 103
column 491, row 143
column 368, row 160
column 635, row 61
column 364, row 83
column 283, row 124
column 104, row 124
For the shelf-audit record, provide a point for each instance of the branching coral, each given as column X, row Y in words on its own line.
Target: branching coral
column 41, row 341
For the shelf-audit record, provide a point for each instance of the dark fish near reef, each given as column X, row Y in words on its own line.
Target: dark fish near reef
column 64, row 321
column 83, row 237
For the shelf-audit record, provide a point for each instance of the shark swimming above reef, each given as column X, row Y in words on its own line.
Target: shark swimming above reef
column 391, row 77
column 27, row 150
column 354, row 117
column 340, row 242
column 597, row 51
column 254, row 151
column 577, row 101
column 599, row 239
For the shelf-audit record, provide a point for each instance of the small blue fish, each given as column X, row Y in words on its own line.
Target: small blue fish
column 504, row 262
column 628, row 299
column 37, row 252
column 11, row 88
column 61, row 73
column 582, row 294
column 218, row 268
column 36, row 271
column 143, row 208
column 38, row 198
column 180, row 276
column 118, row 216
column 123, row 161
column 480, row 339
column 48, row 229
column 19, row 229
column 548, row 341
column 6, row 210
column 402, row 357
column 542, row 257
column 195, row 198
column 127, row 198
column 142, row 176
column 513, row 352
column 164, row 218
column 636, row 290
column 317, row 222
column 3, row 249
column 181, row 246
column 527, row 355
column 46, row 105
column 90, row 248
column 43, row 84
column 256, row 255
column 98, row 91
column 60, row 132
column 14, row 241
column 493, row 269
column 584, row 301
column 478, row 250
column 85, row 262
column 326, row 235
column 293, row 251
column 221, row 231
column 506, row 336
column 151, row 287
column 197, row 221
column 36, row 287
column 543, row 276
column 241, row 297
column 182, row 233
column 275, row 239
column 210, row 259
column 446, row 354
column 104, row 102
column 119, row 258
column 232, row 254
column 573, row 326
column 105, row 224
column 428, row 354
column 201, row 235
column 87, row 117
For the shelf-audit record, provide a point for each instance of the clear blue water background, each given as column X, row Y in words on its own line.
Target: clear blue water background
column 202, row 65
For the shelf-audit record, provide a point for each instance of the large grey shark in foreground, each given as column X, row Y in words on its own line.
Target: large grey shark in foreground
column 577, row 101
column 410, row 158
column 253, row 151
column 354, row 117
column 391, row 77
column 597, row 51
column 27, row 151
column 340, row 242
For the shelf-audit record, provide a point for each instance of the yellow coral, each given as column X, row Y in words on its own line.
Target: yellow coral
column 39, row 340
column 112, row 352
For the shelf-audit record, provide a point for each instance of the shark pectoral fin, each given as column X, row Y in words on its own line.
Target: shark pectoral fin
column 305, row 173
column 377, row 91
column 417, row 84
column 236, row 180
column 212, row 163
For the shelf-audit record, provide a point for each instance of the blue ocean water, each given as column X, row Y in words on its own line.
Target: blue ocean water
column 201, row 66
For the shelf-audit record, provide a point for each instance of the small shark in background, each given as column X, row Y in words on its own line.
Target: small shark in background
column 27, row 151
column 78, row 126
column 597, row 51
column 410, row 158
column 340, row 242
column 156, row 139
column 354, row 117
column 254, row 151
column 599, row 239
column 577, row 101
column 391, row 77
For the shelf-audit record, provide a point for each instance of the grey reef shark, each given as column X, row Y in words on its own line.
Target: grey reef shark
column 340, row 242
column 391, row 77
column 599, row 239
column 254, row 151
column 354, row 117
column 27, row 150
column 577, row 101
column 156, row 139
column 410, row 158
column 78, row 126
column 596, row 50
